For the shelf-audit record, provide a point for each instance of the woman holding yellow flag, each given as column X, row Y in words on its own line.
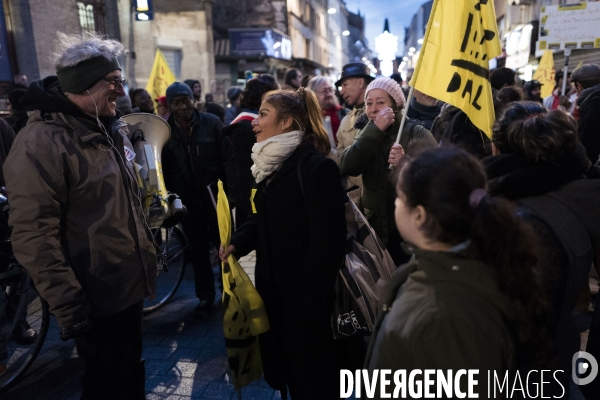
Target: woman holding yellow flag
column 298, row 228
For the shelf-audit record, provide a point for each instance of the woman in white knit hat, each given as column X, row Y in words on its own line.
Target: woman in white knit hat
column 368, row 155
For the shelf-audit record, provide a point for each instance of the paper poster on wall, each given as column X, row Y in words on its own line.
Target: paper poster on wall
column 573, row 26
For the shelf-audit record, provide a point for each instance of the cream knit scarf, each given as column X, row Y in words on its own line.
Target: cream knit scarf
column 270, row 154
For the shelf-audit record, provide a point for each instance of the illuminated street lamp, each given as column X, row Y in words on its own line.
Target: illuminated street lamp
column 386, row 45
column 331, row 11
column 346, row 33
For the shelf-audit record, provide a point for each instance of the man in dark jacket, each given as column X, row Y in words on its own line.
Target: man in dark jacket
column 242, row 138
column 18, row 116
column 77, row 221
column 197, row 93
column 533, row 90
column 587, row 83
column 423, row 108
column 193, row 160
column 7, row 137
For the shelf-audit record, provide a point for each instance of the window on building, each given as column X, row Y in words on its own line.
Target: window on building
column 318, row 24
column 173, row 57
column 306, row 14
column 91, row 16
column 307, row 48
column 313, row 19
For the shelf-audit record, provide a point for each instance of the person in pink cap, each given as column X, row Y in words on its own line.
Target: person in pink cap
column 368, row 155
column 162, row 108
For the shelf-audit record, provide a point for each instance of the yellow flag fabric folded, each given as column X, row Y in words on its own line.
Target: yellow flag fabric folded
column 545, row 73
column 244, row 313
column 161, row 77
column 461, row 38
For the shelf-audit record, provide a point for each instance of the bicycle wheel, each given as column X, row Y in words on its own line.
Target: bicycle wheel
column 27, row 306
column 167, row 282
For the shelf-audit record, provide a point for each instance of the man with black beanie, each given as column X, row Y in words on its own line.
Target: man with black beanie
column 77, row 221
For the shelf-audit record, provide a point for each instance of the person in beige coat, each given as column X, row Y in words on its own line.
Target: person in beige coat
column 354, row 81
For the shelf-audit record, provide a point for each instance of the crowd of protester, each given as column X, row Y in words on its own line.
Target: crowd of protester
column 494, row 238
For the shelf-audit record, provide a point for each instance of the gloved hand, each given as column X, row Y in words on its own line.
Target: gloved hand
column 178, row 211
column 76, row 329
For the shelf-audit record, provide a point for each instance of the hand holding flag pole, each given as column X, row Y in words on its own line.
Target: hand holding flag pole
column 453, row 66
column 403, row 121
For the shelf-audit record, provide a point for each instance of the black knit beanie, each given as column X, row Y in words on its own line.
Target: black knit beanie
column 84, row 75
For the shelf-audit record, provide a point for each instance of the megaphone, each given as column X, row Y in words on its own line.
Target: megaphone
column 148, row 133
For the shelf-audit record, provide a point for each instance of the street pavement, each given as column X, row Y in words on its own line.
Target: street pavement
column 185, row 357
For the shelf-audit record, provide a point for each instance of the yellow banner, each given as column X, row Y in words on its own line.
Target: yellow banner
column 545, row 73
column 161, row 77
column 244, row 313
column 461, row 38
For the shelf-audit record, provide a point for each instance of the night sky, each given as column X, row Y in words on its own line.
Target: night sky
column 398, row 12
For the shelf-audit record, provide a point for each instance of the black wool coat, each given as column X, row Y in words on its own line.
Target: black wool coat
column 242, row 139
column 299, row 240
column 195, row 157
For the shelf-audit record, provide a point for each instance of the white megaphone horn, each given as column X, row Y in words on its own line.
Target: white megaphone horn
column 148, row 133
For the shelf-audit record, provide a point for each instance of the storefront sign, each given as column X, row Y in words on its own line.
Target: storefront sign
column 250, row 42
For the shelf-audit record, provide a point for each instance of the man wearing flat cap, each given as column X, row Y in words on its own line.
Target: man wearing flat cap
column 354, row 81
column 587, row 83
column 76, row 216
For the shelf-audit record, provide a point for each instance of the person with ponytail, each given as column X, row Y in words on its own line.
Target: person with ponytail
column 368, row 155
column 470, row 297
column 298, row 228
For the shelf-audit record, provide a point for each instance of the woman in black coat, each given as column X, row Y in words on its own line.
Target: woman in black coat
column 539, row 162
column 298, row 229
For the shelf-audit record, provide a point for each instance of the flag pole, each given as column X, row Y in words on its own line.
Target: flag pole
column 402, row 122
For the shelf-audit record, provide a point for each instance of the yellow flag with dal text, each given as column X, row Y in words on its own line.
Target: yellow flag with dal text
column 244, row 312
column 545, row 73
column 161, row 77
column 461, row 38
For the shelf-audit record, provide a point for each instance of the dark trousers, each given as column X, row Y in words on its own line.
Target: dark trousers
column 112, row 352
column 200, row 229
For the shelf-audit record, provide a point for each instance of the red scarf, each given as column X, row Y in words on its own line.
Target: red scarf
column 332, row 112
column 555, row 102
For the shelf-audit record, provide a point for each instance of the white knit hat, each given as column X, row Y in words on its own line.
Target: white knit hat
column 391, row 87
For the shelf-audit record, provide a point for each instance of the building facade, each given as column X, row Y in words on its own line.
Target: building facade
column 251, row 35
column 215, row 42
column 519, row 28
column 181, row 29
column 413, row 38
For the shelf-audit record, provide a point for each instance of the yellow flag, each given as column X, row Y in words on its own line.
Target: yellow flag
column 160, row 77
column 545, row 73
column 244, row 313
column 461, row 38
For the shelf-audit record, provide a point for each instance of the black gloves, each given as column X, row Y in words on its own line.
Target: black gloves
column 76, row 329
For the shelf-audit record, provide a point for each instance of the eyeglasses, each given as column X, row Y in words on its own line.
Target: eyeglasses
column 326, row 91
column 115, row 81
